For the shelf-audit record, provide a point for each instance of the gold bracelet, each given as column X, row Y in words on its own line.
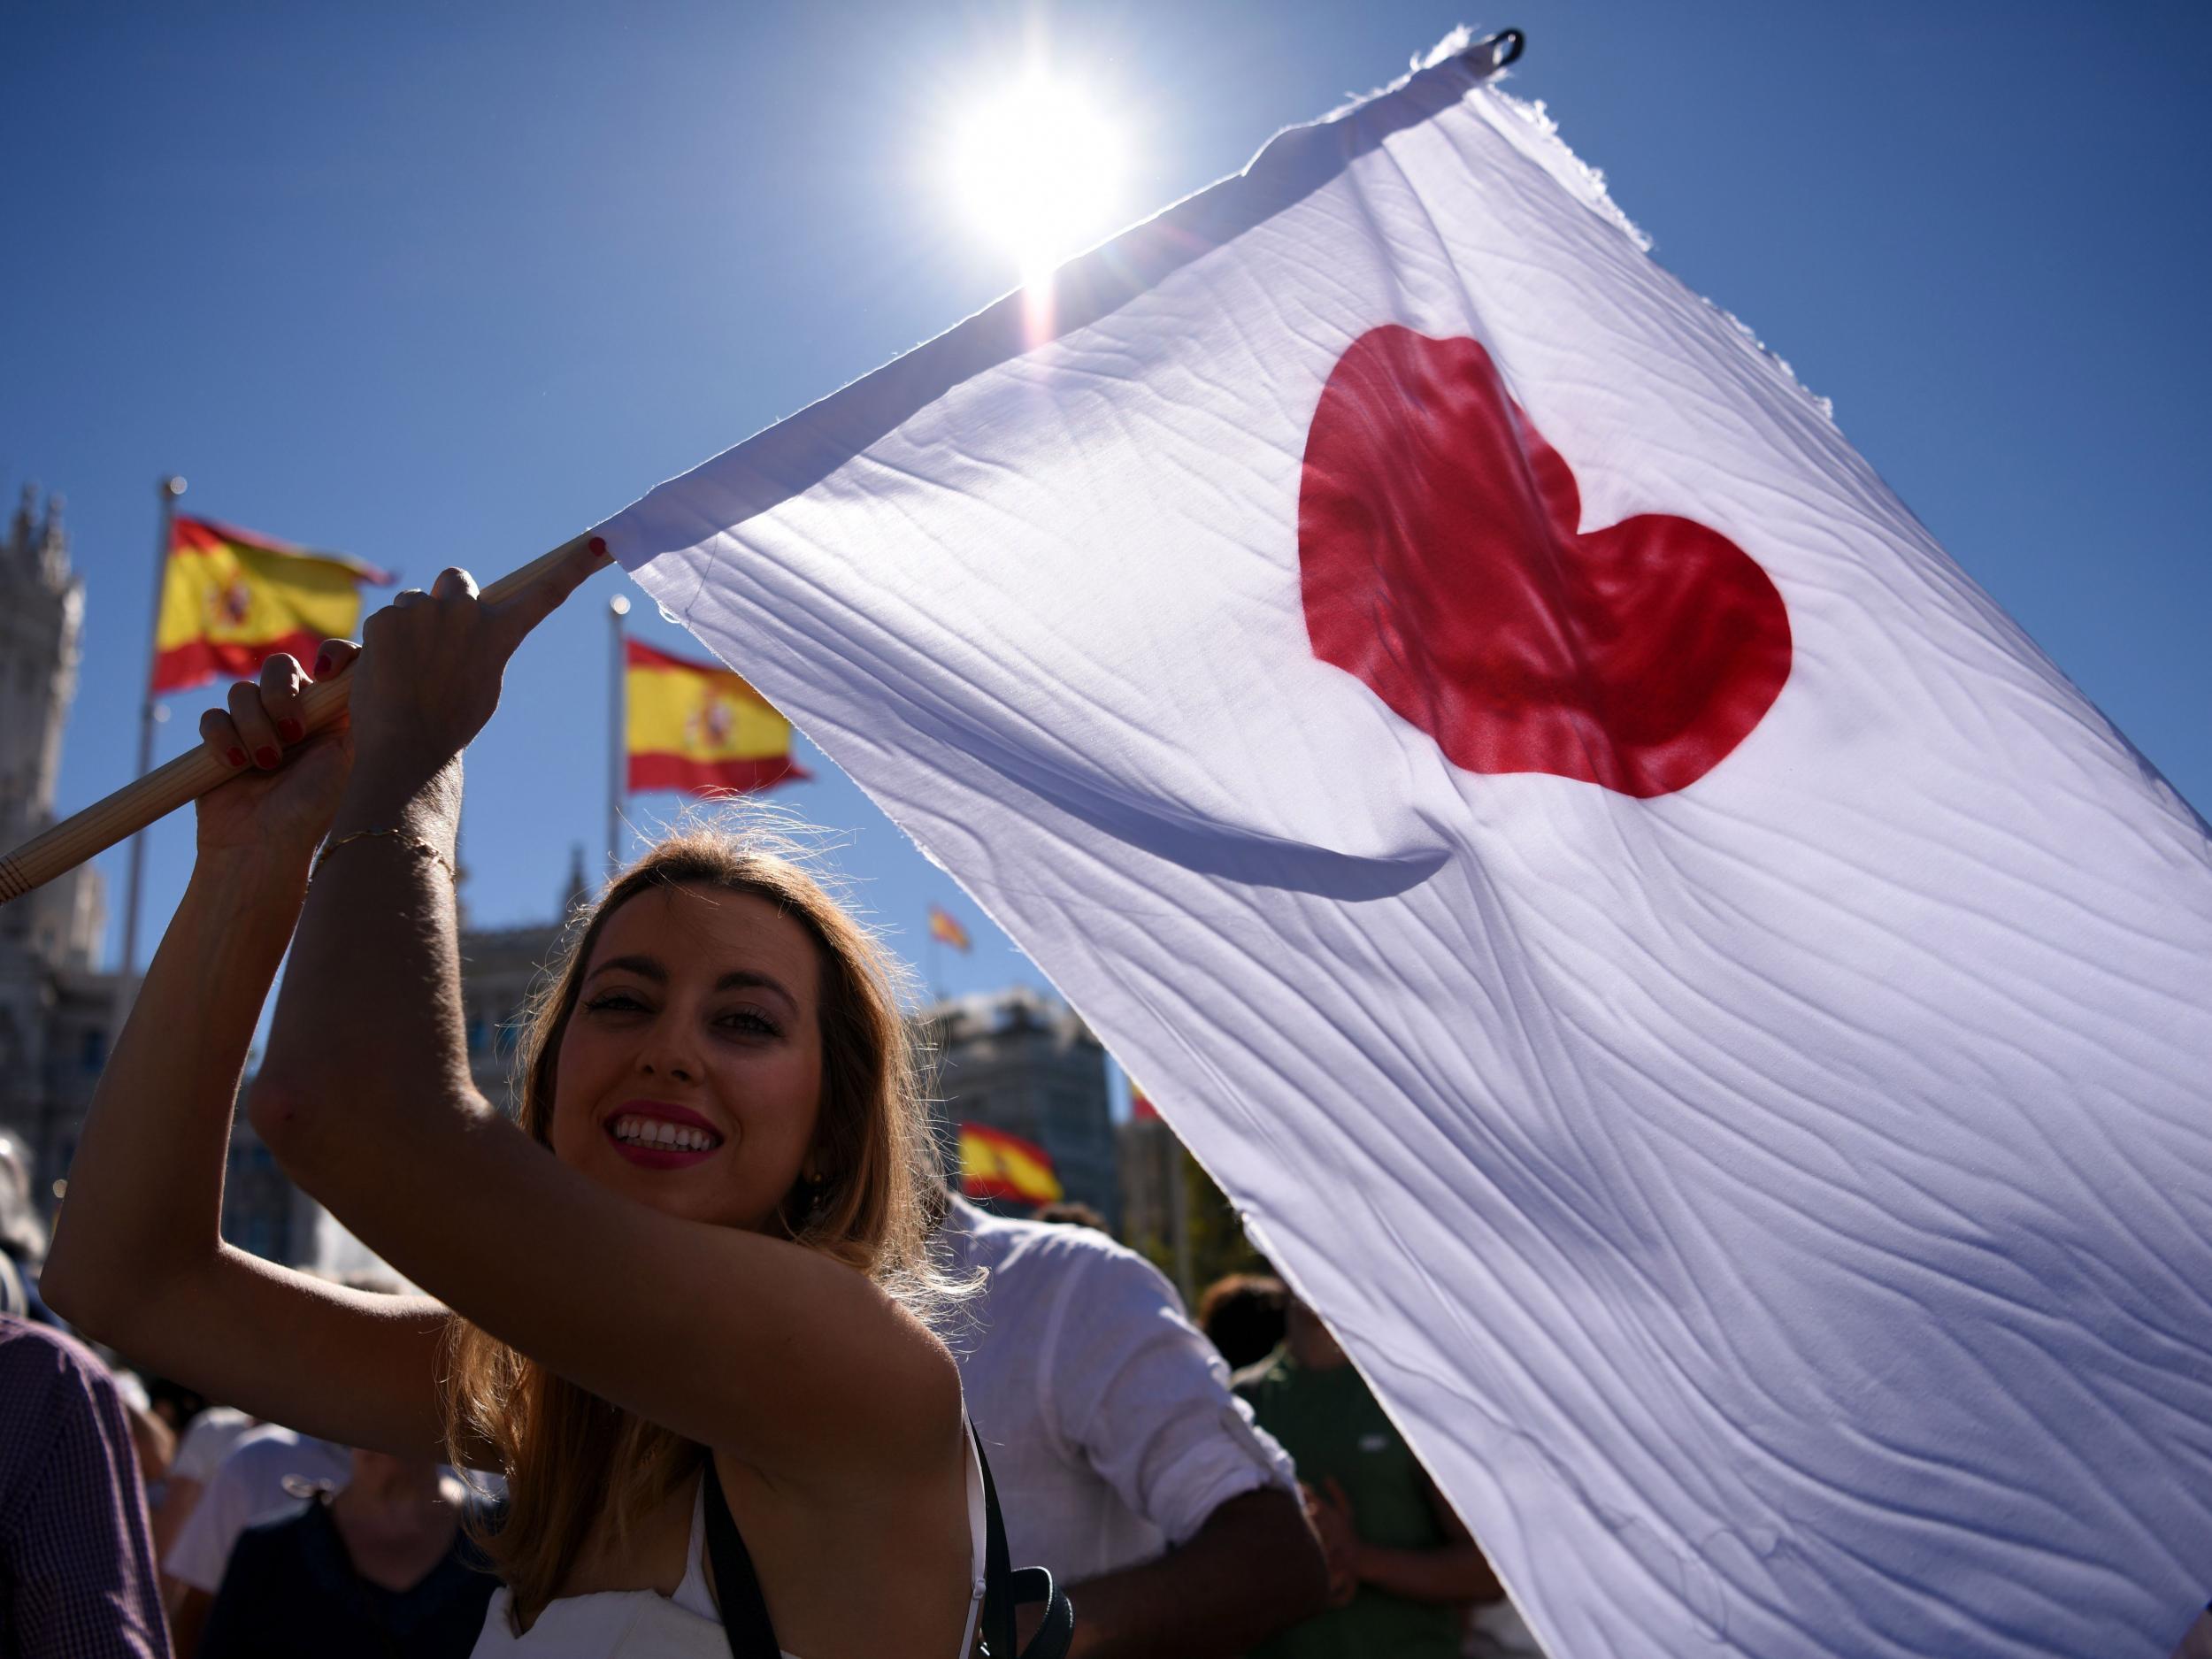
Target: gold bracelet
column 412, row 843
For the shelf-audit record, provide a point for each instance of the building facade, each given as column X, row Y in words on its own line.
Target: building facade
column 57, row 1007
column 1016, row 1061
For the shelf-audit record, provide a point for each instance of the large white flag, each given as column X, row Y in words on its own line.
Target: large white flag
column 1719, row 1024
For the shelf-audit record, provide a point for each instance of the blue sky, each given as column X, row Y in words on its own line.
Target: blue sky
column 439, row 284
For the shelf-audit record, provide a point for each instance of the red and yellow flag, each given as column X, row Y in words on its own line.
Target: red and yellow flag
column 946, row 931
column 698, row 727
column 995, row 1164
column 231, row 600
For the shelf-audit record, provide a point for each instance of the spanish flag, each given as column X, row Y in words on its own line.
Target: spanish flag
column 946, row 931
column 231, row 600
column 995, row 1164
column 698, row 727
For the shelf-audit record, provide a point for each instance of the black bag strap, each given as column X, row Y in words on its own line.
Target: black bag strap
column 1004, row 1589
column 745, row 1612
column 736, row 1585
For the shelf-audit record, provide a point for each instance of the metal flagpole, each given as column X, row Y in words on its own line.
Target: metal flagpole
column 618, row 735
column 170, row 487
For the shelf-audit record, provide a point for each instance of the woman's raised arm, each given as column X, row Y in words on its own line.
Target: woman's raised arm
column 772, row 1352
column 139, row 1260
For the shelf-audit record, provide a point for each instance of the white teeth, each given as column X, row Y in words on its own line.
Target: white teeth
column 653, row 1132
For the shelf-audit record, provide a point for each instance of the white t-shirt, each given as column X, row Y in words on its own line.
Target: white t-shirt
column 207, row 1440
column 249, row 1486
column 1108, row 1417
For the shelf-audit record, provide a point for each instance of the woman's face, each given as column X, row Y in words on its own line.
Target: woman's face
column 690, row 1073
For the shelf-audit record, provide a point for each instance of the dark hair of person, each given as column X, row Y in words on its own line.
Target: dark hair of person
column 1245, row 1316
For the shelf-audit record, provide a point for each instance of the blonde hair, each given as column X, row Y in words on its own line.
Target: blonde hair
column 570, row 1456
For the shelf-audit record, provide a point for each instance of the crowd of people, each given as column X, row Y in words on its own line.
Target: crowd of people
column 710, row 1361
column 1223, row 1487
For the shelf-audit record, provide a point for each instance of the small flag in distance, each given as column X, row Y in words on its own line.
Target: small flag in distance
column 231, row 599
column 996, row 1165
column 946, row 931
column 697, row 727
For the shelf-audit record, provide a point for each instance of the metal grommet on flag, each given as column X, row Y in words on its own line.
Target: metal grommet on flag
column 1487, row 57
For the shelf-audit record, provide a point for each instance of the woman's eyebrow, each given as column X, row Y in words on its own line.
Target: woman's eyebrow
column 747, row 978
column 644, row 967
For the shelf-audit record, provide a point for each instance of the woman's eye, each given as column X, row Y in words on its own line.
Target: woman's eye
column 614, row 1001
column 747, row 1022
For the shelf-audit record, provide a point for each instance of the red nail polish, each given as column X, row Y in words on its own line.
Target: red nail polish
column 290, row 731
column 322, row 664
column 267, row 758
column 599, row 546
column 237, row 757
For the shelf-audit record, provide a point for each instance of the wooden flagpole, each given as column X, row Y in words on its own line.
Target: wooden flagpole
column 617, row 737
column 192, row 774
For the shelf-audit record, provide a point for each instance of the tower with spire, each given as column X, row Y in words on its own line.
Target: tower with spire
column 54, row 1004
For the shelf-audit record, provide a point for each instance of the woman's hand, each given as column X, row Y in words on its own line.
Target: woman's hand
column 431, row 665
column 280, row 805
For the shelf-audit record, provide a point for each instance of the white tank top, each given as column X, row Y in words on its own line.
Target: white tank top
column 646, row 1625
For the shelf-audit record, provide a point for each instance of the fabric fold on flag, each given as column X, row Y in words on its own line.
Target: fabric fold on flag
column 1709, row 1013
column 231, row 599
column 699, row 728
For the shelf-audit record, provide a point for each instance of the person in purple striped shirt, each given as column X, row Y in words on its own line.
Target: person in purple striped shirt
column 76, row 1555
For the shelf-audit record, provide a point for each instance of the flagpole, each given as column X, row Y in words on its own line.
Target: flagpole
column 617, row 738
column 170, row 488
column 179, row 782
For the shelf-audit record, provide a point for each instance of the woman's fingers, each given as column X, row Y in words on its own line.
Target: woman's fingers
column 283, row 681
column 334, row 657
column 255, row 730
column 220, row 735
column 453, row 583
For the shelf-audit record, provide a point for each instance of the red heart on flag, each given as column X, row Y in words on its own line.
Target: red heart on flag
column 1441, row 561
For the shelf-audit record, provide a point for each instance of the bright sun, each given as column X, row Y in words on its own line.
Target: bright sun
column 1039, row 172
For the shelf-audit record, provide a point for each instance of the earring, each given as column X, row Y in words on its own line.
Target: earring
column 812, row 1189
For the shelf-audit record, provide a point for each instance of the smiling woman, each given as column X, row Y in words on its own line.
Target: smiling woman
column 722, row 1042
column 687, row 1296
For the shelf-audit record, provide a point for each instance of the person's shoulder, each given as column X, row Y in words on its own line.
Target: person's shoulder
column 1254, row 1379
column 206, row 1440
column 1008, row 1246
column 30, row 1352
column 261, row 1459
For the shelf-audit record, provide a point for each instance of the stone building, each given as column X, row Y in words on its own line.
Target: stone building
column 57, row 1006
column 1151, row 1186
column 1016, row 1061
column 500, row 967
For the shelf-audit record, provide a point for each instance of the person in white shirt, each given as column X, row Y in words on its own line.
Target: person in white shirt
column 1123, row 1462
column 206, row 1440
column 267, row 1470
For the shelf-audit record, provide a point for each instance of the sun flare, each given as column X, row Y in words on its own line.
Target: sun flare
column 1038, row 170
